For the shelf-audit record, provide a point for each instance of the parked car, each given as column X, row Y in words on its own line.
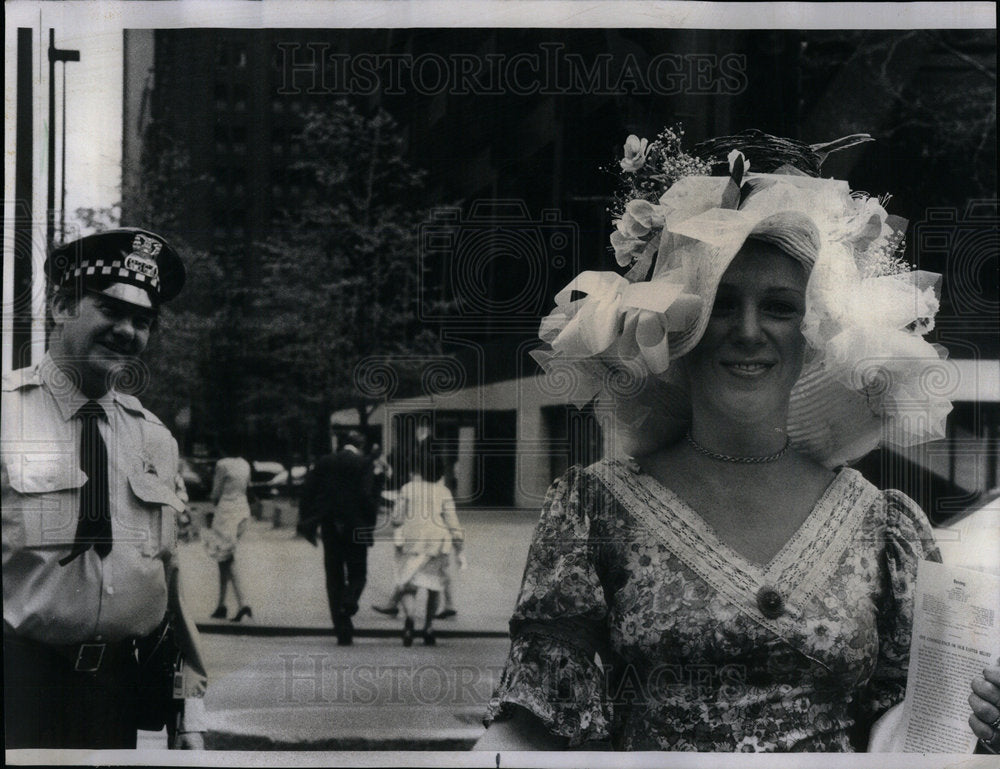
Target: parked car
column 197, row 475
column 267, row 478
column 298, row 473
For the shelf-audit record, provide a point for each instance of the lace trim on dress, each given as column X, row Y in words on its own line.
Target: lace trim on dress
column 799, row 568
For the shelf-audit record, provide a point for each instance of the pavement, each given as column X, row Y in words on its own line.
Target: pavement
column 278, row 681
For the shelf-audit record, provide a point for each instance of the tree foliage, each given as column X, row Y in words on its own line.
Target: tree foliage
column 928, row 95
column 266, row 342
column 339, row 282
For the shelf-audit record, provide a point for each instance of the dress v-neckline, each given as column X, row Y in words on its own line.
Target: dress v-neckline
column 708, row 532
column 794, row 572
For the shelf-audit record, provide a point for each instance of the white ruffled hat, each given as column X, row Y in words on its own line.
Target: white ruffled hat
column 870, row 377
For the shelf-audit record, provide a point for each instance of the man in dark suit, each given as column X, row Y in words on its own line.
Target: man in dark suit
column 338, row 498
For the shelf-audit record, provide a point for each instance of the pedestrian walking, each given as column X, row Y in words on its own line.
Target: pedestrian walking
column 426, row 532
column 230, row 519
column 337, row 499
column 89, row 508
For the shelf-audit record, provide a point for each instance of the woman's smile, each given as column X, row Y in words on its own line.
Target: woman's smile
column 748, row 369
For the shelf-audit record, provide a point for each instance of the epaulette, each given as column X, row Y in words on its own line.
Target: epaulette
column 22, row 377
column 131, row 403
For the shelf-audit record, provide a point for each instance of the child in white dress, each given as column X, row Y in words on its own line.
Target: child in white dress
column 426, row 532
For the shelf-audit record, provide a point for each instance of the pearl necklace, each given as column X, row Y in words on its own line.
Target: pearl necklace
column 741, row 460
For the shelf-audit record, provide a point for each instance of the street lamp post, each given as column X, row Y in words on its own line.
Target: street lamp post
column 63, row 55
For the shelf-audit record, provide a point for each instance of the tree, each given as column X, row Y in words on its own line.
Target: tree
column 340, row 278
column 267, row 347
column 928, row 96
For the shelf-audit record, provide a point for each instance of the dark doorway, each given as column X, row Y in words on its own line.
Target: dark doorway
column 496, row 449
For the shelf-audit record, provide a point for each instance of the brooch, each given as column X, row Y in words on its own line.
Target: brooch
column 770, row 602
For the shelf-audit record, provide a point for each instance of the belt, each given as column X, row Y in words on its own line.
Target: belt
column 83, row 657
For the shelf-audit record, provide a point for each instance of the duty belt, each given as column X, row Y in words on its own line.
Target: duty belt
column 83, row 657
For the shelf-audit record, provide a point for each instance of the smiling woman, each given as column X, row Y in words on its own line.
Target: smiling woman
column 742, row 589
column 751, row 353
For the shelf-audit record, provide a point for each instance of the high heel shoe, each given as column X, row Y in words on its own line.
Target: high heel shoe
column 429, row 638
column 245, row 611
column 408, row 632
column 219, row 613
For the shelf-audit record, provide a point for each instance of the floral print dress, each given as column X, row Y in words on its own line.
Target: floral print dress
column 697, row 647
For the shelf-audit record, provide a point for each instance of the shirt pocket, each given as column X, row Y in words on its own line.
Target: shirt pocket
column 41, row 502
column 161, row 502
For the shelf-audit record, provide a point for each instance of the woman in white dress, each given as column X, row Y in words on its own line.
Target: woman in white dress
column 232, row 512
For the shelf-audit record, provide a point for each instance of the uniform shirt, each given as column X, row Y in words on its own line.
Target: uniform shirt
column 89, row 599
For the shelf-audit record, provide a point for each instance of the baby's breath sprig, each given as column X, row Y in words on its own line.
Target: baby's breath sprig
column 648, row 176
column 885, row 259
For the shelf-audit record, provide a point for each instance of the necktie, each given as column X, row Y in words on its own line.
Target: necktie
column 94, row 525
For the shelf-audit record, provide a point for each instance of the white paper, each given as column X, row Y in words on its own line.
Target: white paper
column 956, row 633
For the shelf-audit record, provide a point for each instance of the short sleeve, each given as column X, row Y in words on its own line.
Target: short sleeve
column 560, row 622
column 908, row 540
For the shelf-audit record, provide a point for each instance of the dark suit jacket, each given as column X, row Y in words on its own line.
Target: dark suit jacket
column 338, row 495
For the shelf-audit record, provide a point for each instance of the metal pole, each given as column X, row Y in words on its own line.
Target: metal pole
column 50, row 158
column 62, row 174
column 20, row 297
column 63, row 55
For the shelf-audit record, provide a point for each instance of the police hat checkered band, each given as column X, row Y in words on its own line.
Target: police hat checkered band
column 115, row 269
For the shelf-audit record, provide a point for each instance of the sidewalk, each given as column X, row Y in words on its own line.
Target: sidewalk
column 284, row 579
column 306, row 693
column 280, row 682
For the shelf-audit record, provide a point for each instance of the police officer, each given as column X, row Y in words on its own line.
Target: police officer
column 89, row 501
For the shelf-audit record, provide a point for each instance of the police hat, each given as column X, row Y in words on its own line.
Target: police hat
column 131, row 257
